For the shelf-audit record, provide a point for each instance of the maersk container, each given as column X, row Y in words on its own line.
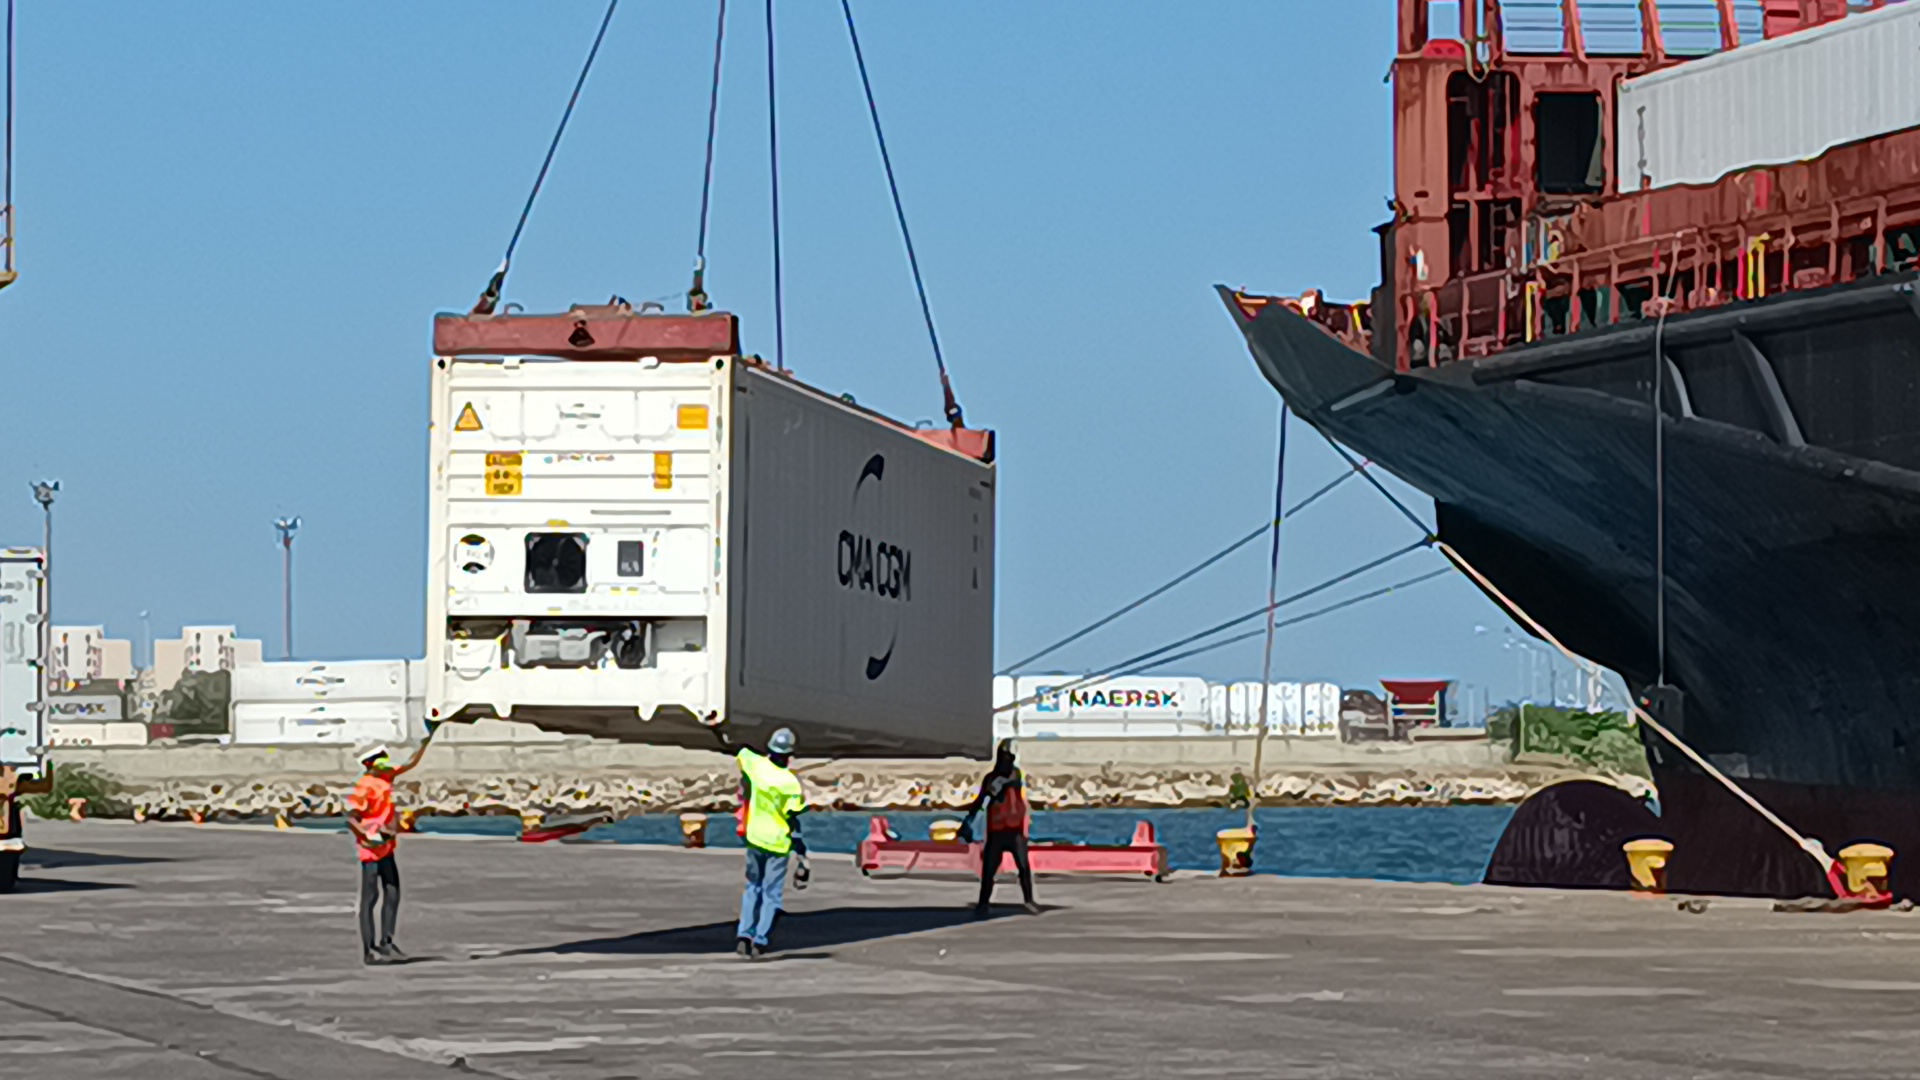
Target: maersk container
column 23, row 688
column 637, row 533
column 1789, row 99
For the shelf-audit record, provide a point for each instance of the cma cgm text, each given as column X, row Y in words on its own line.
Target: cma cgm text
column 883, row 568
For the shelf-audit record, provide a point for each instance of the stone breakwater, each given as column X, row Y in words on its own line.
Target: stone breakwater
column 835, row 786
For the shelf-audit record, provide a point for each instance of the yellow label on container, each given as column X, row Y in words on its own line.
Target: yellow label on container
column 693, row 418
column 503, row 473
column 469, row 419
column 662, row 470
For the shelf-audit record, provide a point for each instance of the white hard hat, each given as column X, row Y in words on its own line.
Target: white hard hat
column 781, row 742
column 367, row 751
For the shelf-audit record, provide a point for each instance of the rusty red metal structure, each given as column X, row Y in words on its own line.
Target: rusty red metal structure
column 1509, row 224
column 1144, row 855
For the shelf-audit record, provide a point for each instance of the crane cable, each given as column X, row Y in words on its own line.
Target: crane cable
column 7, row 272
column 1178, row 579
column 950, row 404
column 697, row 295
column 490, row 298
column 773, row 163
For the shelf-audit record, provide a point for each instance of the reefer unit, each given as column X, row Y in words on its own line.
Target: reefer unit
column 637, row 533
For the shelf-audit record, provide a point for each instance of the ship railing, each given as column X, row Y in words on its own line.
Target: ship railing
column 1695, row 267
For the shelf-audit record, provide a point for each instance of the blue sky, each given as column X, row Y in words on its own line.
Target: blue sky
column 237, row 219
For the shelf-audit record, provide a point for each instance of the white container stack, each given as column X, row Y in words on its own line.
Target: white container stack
column 303, row 703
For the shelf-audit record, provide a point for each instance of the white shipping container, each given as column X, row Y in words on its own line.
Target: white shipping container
column 1217, row 706
column 85, row 733
column 1789, row 99
column 300, row 680
column 341, row 722
column 23, row 731
column 1320, row 711
column 639, row 547
column 1075, row 698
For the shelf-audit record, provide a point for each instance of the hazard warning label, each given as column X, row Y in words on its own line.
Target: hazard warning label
column 469, row 419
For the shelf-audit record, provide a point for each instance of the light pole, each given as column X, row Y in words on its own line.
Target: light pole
column 43, row 493
column 287, row 527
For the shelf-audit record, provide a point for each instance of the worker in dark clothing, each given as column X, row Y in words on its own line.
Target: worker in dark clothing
column 1004, row 795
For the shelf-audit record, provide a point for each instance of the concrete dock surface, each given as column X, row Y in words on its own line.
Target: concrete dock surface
column 169, row 951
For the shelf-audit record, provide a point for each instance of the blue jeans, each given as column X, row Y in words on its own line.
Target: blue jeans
column 766, row 882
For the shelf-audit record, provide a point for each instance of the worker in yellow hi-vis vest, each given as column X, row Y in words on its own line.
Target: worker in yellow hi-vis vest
column 771, row 796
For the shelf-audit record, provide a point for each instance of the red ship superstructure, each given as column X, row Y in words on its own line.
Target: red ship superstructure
column 1527, row 204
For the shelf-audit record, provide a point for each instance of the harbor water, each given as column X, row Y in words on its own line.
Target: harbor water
column 1393, row 843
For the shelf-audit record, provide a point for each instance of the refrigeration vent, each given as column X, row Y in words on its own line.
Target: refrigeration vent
column 556, row 562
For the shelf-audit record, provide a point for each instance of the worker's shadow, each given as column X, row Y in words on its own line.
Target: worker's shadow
column 795, row 932
column 55, row 859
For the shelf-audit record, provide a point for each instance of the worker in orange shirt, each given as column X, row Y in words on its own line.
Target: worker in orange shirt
column 1004, row 794
column 376, row 828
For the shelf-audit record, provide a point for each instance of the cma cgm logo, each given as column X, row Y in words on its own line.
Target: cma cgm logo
column 875, row 564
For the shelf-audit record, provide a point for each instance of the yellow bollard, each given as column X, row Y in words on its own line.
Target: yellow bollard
column 944, row 832
column 407, row 820
column 139, row 813
column 531, row 820
column 1647, row 861
column 199, row 816
column 693, row 830
column 77, row 809
column 280, row 821
column 1868, row 867
column 1236, row 851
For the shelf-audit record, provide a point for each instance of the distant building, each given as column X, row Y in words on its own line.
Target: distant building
column 201, row 648
column 85, row 653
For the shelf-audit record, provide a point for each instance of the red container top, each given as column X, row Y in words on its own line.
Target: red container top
column 589, row 332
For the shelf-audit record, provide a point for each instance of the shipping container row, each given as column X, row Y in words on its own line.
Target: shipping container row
column 1040, row 706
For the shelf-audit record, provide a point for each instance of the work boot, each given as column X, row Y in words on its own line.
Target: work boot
column 759, row 952
column 1030, row 908
column 743, row 949
column 981, row 911
column 392, row 953
column 372, row 959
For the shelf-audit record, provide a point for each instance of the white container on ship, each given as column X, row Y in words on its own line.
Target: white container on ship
column 636, row 534
column 1772, row 103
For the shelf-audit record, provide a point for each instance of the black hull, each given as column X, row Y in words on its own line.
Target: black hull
column 1793, row 550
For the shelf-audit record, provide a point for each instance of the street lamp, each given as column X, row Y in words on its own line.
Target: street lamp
column 287, row 526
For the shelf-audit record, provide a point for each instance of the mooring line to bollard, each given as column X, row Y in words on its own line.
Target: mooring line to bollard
column 1809, row 845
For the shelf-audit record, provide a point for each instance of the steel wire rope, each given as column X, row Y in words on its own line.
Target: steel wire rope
column 1811, row 846
column 773, row 163
column 1273, row 589
column 697, row 295
column 490, row 298
column 1294, row 621
column 6, row 196
column 950, row 404
column 1337, row 579
column 1660, row 474
column 1180, row 578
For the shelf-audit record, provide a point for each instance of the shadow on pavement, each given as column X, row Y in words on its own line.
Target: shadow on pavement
column 794, row 932
column 55, row 859
column 28, row 884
